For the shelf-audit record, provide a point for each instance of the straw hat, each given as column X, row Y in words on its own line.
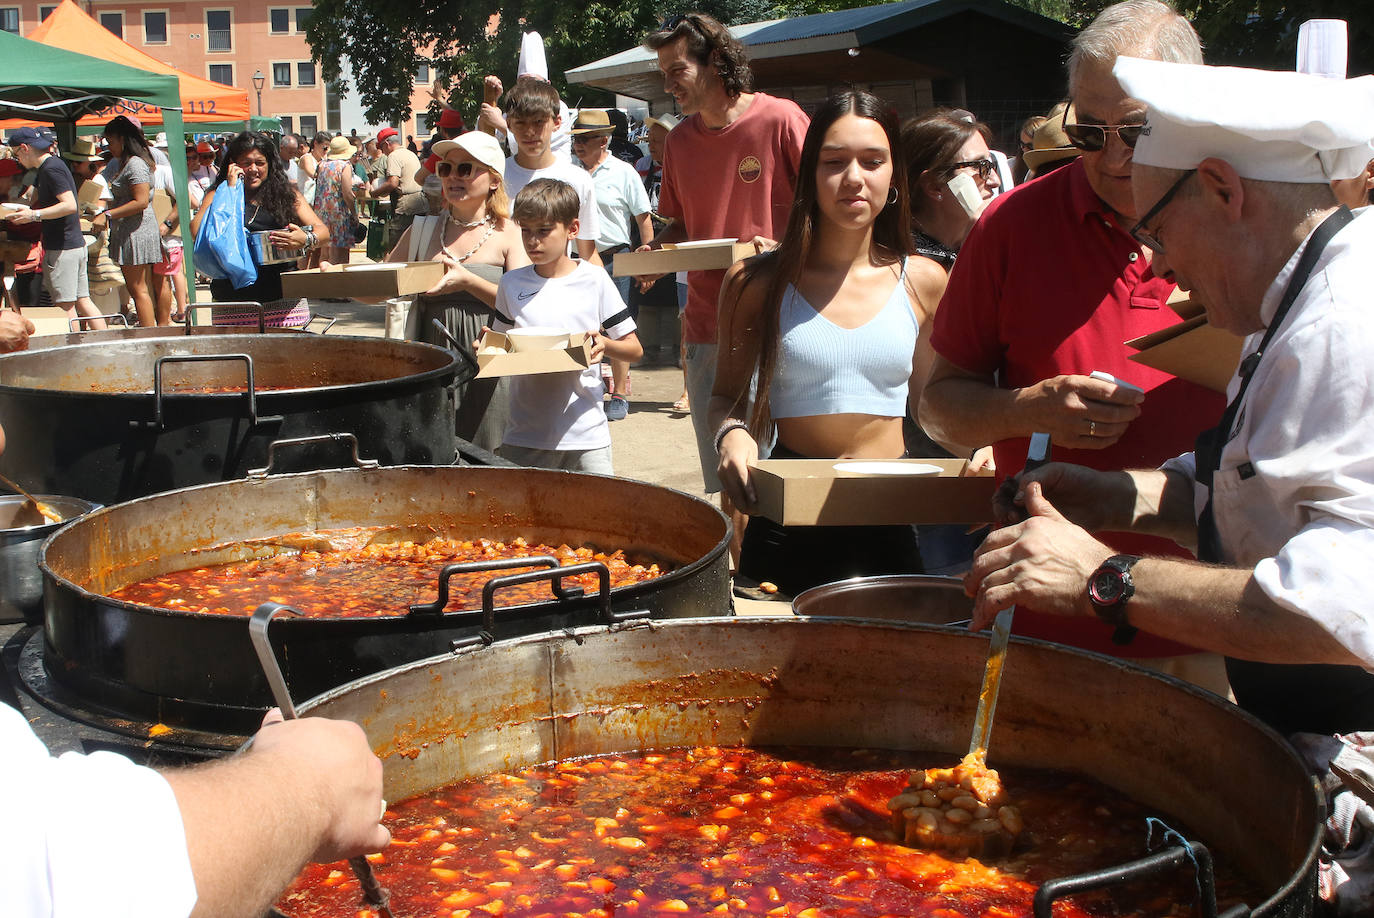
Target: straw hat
column 1049, row 143
column 340, row 148
column 84, row 150
column 667, row 121
column 592, row 121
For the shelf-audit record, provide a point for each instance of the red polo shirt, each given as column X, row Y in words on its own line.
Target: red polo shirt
column 1048, row 283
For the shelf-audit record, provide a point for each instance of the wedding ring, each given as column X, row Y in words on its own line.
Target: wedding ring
column 1092, row 428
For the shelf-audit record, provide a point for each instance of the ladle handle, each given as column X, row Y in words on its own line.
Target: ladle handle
column 373, row 892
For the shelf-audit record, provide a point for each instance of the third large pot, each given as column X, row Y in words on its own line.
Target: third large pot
column 198, row 670
column 818, row 682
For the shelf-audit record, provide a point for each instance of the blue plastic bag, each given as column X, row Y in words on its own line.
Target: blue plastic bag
column 221, row 248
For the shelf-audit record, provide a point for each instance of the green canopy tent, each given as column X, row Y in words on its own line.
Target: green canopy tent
column 41, row 83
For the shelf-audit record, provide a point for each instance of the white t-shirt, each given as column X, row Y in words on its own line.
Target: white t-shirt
column 588, row 223
column 620, row 197
column 560, row 410
column 87, row 834
column 164, row 180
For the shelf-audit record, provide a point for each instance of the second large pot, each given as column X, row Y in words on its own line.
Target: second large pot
column 199, row 671
column 107, row 423
column 783, row 681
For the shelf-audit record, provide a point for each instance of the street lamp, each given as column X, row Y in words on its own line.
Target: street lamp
column 258, row 81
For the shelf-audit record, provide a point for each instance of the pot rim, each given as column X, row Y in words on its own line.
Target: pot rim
column 628, row 592
column 449, row 368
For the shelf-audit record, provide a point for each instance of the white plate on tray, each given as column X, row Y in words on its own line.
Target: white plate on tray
column 888, row 468
column 703, row 243
column 384, row 266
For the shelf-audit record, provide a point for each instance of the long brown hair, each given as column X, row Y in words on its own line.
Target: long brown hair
column 783, row 266
column 933, row 141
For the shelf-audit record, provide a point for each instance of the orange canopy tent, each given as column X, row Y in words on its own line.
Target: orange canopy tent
column 202, row 101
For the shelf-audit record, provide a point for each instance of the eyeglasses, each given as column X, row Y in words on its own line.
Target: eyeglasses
column 1093, row 137
column 206, row 157
column 986, row 167
column 1148, row 239
column 672, row 22
column 464, row 170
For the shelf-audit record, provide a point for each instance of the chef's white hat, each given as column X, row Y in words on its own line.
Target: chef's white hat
column 532, row 60
column 1275, row 126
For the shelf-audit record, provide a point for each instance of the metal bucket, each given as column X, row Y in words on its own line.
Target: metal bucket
column 895, row 597
column 21, row 580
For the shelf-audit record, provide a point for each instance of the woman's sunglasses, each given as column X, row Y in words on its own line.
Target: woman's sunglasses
column 1093, row 137
column 463, row 170
column 986, row 167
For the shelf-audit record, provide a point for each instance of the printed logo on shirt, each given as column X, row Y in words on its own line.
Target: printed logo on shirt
column 750, row 169
column 525, row 296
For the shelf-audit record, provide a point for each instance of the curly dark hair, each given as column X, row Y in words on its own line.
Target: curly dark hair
column 276, row 194
column 711, row 45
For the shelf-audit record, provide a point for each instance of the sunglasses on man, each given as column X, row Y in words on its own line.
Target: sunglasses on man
column 1090, row 138
column 464, row 170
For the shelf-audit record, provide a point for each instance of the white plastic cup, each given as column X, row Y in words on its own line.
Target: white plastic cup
column 1323, row 48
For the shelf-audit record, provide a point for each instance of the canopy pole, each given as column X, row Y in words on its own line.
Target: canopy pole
column 175, row 127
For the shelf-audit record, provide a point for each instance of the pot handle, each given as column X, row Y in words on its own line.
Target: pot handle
column 320, row 315
column 79, row 323
column 1180, row 855
column 474, row 567
column 156, row 422
column 461, row 350
column 317, row 438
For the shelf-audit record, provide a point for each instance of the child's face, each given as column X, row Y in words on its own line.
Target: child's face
column 532, row 135
column 546, row 242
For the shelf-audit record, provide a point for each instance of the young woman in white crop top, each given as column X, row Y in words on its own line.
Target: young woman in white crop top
column 835, row 326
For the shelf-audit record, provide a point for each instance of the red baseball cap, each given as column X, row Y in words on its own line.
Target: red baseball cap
column 386, row 133
column 204, row 147
column 451, row 118
column 10, row 167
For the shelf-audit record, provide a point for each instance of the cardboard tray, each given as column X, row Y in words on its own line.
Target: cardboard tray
column 810, row 492
column 1191, row 350
column 350, row 281
column 494, row 357
column 671, row 258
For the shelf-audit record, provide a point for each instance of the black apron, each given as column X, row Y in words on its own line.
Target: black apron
column 1291, row 698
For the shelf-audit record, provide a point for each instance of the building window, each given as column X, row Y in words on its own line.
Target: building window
column 305, row 73
column 303, row 17
column 155, row 27
column 112, row 21
column 219, row 29
column 422, row 128
column 281, row 75
column 288, row 124
column 9, row 19
column 333, row 110
column 44, row 12
column 310, row 125
column 221, row 73
column 279, row 21
column 422, row 74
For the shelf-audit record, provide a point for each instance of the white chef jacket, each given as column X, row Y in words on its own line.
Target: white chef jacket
column 1294, row 496
column 86, row 834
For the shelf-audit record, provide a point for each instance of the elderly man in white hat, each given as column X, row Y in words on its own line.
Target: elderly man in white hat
column 1232, row 181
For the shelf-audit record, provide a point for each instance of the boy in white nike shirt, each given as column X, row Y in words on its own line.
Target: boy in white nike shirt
column 556, row 419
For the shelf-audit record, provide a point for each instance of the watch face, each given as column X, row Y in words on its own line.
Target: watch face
column 1106, row 587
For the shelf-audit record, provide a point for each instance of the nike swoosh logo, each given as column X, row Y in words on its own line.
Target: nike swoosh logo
column 525, row 296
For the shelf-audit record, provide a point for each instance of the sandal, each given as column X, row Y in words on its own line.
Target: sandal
column 681, row 406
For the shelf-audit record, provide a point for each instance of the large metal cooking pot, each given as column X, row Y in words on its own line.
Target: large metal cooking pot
column 21, row 582
column 136, row 332
column 105, row 421
column 199, row 670
column 890, row 597
column 784, row 680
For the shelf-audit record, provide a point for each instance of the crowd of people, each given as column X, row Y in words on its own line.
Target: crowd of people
column 905, row 298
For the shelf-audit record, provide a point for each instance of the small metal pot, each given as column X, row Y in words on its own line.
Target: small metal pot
column 265, row 252
column 895, row 598
column 21, row 580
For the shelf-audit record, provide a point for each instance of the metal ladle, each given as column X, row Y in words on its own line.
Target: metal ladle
column 374, row 893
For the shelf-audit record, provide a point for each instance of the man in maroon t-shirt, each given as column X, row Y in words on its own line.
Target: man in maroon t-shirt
column 1047, row 287
column 729, row 171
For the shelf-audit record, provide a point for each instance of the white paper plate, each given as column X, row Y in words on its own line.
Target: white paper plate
column 12, row 206
column 702, row 243
column 384, row 266
column 888, row 468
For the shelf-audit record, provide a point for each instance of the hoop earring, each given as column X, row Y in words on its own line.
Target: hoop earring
column 892, row 195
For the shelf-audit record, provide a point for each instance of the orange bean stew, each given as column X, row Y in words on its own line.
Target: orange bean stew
column 736, row 831
column 373, row 579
